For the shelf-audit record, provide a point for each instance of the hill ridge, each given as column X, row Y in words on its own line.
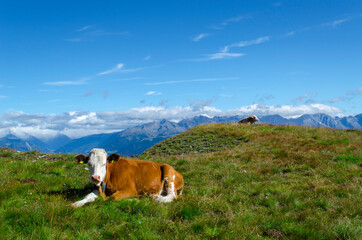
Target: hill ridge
column 137, row 139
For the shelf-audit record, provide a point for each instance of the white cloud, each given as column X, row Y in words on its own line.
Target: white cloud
column 3, row 97
column 84, row 28
column 229, row 21
column 153, row 93
column 222, row 55
column 304, row 98
column 355, row 92
column 192, row 80
column 130, row 70
column 87, row 33
column 332, row 24
column 78, row 124
column 147, row 58
column 248, row 43
column 118, row 68
column 336, row 22
column 289, row 34
column 127, row 79
column 64, row 83
column 115, row 69
column 337, row 99
column 200, row 36
column 348, row 96
column 26, row 132
column 289, row 111
column 225, row 51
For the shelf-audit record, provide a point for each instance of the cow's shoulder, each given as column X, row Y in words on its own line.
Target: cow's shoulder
column 144, row 163
column 123, row 164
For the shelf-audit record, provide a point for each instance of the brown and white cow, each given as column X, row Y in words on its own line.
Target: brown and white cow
column 120, row 178
column 249, row 120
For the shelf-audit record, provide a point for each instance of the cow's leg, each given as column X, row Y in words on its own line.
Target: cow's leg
column 168, row 184
column 126, row 193
column 179, row 183
column 89, row 198
column 180, row 191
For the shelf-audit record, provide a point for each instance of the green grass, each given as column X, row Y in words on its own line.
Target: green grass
column 200, row 140
column 241, row 182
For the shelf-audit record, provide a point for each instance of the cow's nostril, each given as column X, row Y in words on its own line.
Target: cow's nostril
column 96, row 178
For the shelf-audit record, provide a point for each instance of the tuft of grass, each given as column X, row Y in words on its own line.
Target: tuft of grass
column 241, row 182
column 334, row 141
column 348, row 158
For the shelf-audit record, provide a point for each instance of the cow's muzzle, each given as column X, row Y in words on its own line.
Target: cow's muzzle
column 96, row 179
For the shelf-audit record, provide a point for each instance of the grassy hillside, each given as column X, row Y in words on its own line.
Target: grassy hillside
column 241, row 182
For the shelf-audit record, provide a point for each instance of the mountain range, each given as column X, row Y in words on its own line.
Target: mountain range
column 135, row 140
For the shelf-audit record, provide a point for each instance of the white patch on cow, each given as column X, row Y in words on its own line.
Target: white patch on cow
column 97, row 163
column 170, row 193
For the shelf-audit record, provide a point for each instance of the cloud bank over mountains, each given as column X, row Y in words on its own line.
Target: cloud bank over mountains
column 81, row 123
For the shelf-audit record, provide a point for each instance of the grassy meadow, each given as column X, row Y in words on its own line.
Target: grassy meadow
column 241, row 182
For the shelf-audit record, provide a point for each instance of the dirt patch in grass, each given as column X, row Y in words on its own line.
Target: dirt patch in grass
column 274, row 233
column 27, row 180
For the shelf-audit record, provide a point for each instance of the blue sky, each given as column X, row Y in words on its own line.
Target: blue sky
column 108, row 65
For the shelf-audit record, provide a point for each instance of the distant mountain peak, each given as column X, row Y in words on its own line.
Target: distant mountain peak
column 164, row 121
column 11, row 135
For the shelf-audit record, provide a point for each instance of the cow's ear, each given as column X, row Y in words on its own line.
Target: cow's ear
column 81, row 158
column 113, row 158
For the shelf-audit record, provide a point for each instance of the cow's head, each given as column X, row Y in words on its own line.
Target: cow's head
column 97, row 161
column 255, row 118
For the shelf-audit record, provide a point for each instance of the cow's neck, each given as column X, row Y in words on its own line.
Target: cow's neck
column 103, row 182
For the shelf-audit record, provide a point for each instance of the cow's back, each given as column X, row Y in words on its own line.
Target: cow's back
column 148, row 177
column 144, row 176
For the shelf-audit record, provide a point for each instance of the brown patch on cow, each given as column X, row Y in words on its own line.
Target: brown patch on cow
column 27, row 180
column 130, row 178
column 274, row 233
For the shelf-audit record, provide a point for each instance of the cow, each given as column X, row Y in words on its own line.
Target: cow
column 249, row 120
column 120, row 178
